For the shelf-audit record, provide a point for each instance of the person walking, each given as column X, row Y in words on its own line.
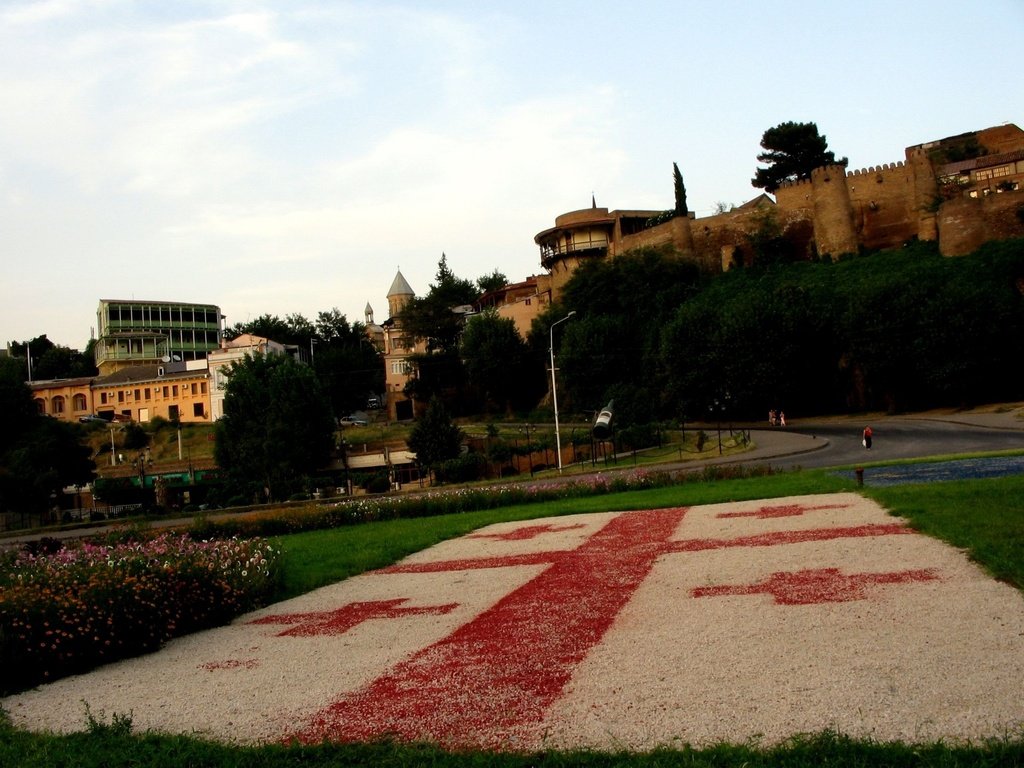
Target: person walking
column 867, row 434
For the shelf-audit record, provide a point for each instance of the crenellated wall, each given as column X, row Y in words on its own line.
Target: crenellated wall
column 834, row 212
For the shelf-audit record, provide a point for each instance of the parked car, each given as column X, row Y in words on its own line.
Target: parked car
column 91, row 418
column 352, row 421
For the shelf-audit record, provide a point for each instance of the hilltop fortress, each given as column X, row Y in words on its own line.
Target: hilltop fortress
column 961, row 191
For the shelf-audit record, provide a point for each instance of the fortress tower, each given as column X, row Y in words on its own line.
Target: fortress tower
column 834, row 231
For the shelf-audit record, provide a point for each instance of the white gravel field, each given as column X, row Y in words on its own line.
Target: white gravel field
column 738, row 622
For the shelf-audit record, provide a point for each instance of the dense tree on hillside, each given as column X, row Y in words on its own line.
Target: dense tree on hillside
column 613, row 341
column 792, row 151
column 39, row 456
column 265, row 326
column 439, row 374
column 680, row 192
column 346, row 362
column 492, row 282
column 497, row 363
column 430, row 318
column 751, row 342
column 901, row 330
column 277, row 429
column 435, row 438
column 52, row 361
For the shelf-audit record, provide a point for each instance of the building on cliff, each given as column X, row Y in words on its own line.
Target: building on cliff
column 961, row 191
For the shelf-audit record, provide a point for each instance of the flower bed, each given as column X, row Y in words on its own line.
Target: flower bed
column 69, row 610
column 448, row 501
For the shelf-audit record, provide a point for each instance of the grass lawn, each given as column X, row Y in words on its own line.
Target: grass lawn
column 985, row 517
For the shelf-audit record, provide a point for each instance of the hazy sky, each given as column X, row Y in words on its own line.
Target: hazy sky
column 289, row 157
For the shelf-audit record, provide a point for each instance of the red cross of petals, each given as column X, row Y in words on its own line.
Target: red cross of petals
column 781, row 510
column 818, row 585
column 341, row 620
column 526, row 532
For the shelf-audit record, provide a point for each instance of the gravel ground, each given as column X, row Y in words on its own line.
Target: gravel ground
column 733, row 622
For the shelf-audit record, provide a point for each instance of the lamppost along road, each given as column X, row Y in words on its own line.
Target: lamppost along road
column 554, row 388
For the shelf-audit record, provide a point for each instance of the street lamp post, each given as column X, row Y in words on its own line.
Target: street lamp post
column 554, row 388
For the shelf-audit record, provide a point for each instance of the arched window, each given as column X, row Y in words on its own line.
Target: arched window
column 40, row 405
column 57, row 404
column 78, row 402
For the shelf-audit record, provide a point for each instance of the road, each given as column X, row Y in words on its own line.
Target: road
column 902, row 438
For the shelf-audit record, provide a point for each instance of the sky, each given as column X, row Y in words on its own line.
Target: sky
column 290, row 157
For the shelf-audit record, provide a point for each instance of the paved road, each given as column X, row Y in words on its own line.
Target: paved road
column 902, row 438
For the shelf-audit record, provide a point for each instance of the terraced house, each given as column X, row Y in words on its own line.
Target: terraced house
column 150, row 332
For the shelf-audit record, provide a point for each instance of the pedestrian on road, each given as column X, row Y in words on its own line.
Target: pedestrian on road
column 867, row 437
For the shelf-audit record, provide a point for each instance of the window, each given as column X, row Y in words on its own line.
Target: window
column 78, row 402
column 147, row 393
column 983, row 174
column 165, row 390
column 197, row 411
column 399, row 367
column 174, row 390
column 58, row 404
column 40, row 405
column 138, row 394
column 120, row 396
column 202, row 387
column 172, row 412
column 195, row 388
column 1002, row 170
column 103, row 398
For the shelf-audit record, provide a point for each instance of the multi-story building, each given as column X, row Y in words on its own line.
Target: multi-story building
column 520, row 302
column 150, row 332
column 173, row 391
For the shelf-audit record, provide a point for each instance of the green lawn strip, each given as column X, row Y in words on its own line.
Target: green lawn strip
column 104, row 746
column 315, row 558
column 983, row 517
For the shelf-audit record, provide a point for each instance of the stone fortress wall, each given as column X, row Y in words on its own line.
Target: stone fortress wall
column 834, row 212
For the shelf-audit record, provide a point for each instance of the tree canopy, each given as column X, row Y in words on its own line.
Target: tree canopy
column 492, row 282
column 621, row 305
column 39, row 456
column 435, row 438
column 496, row 360
column 277, row 429
column 344, row 359
column 430, row 318
column 52, row 361
column 792, row 151
column 680, row 192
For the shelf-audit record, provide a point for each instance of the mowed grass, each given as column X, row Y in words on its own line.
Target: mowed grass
column 985, row 517
column 317, row 558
